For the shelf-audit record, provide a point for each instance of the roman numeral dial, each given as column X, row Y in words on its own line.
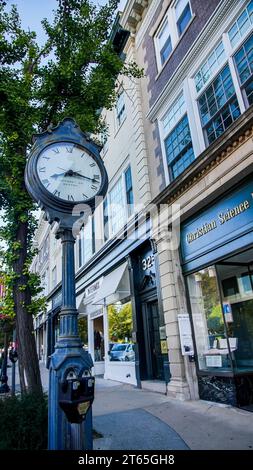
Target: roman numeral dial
column 69, row 172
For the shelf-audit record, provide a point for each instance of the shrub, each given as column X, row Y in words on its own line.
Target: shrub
column 23, row 422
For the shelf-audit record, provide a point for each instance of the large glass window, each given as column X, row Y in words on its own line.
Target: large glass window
column 244, row 64
column 241, row 25
column 210, row 66
column 208, row 321
column 221, row 299
column 99, row 345
column 120, row 320
column 236, row 279
column 179, row 148
column 218, row 105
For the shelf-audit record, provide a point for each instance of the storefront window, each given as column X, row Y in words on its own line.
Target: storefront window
column 236, row 279
column 222, row 310
column 99, row 347
column 121, row 347
column 83, row 330
column 209, row 328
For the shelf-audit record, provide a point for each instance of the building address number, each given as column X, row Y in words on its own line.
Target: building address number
column 147, row 262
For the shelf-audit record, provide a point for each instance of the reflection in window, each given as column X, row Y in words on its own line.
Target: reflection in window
column 164, row 42
column 183, row 15
column 208, row 320
column 241, row 25
column 129, row 191
column 238, row 300
column 210, row 66
column 218, row 105
column 120, row 108
column 244, row 64
column 99, row 348
column 179, row 148
column 121, row 347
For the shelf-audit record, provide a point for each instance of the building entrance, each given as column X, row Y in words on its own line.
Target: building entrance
column 154, row 357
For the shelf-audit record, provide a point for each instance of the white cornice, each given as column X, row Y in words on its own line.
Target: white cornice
column 132, row 13
column 221, row 13
column 146, row 22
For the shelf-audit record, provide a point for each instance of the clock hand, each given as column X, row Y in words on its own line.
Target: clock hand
column 82, row 176
column 57, row 174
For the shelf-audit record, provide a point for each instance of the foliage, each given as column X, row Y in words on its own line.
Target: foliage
column 72, row 74
column 23, row 422
column 83, row 329
column 215, row 320
column 120, row 322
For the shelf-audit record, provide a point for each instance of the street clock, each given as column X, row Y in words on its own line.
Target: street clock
column 65, row 169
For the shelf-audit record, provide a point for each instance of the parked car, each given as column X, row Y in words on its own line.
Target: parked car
column 122, row 352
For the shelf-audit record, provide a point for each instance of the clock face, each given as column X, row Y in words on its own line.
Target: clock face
column 69, row 172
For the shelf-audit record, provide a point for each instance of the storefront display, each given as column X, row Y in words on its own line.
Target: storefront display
column 120, row 322
column 221, row 297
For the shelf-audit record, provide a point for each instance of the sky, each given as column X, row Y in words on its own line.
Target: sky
column 33, row 11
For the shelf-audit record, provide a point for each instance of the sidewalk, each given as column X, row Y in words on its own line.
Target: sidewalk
column 132, row 419
column 129, row 418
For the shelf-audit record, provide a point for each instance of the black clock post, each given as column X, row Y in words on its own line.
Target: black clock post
column 71, row 385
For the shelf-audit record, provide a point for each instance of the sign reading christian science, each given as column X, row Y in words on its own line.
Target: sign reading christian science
column 230, row 218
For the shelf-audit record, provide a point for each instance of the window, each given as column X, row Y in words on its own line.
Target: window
column 129, row 191
column 208, row 322
column 241, row 25
column 54, row 277
column 116, row 207
column 175, row 112
column 183, row 15
column 120, row 108
column 106, row 219
column 104, row 140
column 244, row 65
column 210, row 66
column 178, row 146
column 218, row 105
column 164, row 42
column 86, row 242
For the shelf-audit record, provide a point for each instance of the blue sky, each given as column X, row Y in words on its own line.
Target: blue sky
column 33, row 11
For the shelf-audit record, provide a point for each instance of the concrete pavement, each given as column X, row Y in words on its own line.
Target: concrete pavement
column 129, row 418
column 125, row 417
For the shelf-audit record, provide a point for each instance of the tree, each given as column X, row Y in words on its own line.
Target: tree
column 72, row 74
column 120, row 322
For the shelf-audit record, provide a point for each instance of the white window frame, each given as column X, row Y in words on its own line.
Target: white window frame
column 176, row 19
column 126, row 217
column 170, row 17
column 164, row 134
column 245, row 34
column 157, row 42
column 203, row 90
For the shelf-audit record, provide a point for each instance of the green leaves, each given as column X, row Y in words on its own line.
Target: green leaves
column 72, row 74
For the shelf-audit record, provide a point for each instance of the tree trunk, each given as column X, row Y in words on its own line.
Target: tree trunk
column 21, row 369
column 24, row 319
